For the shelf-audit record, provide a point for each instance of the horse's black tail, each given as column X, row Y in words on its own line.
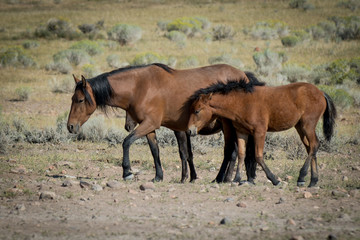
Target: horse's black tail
column 250, row 162
column 329, row 118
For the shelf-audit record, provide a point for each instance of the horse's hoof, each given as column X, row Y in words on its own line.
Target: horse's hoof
column 156, row 179
column 277, row 183
column 129, row 177
column 300, row 184
column 246, row 183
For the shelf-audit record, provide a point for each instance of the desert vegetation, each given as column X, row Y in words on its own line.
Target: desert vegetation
column 42, row 43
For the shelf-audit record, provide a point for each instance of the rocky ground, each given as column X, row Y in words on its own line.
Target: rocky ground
column 80, row 195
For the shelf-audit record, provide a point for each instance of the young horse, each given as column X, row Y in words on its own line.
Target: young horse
column 255, row 109
column 154, row 96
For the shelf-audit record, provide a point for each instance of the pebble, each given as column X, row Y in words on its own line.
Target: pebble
column 354, row 193
column 331, row 237
column 225, row 221
column 307, row 195
column 291, row 222
column 84, row 184
column 47, row 195
column 241, row 204
column 19, row 170
column 97, row 187
column 147, row 185
column 132, row 191
column 345, row 179
column 67, row 183
column 337, row 193
column 297, row 237
column 115, row 185
column 20, row 207
column 229, row 199
column 281, row 200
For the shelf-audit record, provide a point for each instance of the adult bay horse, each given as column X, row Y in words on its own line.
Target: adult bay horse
column 154, row 95
column 255, row 109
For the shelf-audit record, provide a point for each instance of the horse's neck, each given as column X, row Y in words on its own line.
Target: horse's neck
column 123, row 87
column 222, row 107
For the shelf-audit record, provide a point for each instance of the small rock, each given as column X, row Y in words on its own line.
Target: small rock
column 86, row 185
column 345, row 217
column 115, row 185
column 67, row 183
column 132, row 191
column 355, row 168
column 19, row 170
column 337, row 193
column 281, row 200
column 20, row 207
column 47, row 195
column 291, row 222
column 147, row 185
column 345, row 179
column 354, row 193
column 212, row 169
column 225, row 221
column 97, row 187
column 331, row 237
column 288, row 178
column 229, row 199
column 241, row 204
column 264, row 228
column 307, row 195
column 298, row 237
column 172, row 189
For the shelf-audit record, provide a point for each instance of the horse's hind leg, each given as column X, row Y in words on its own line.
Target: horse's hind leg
column 186, row 156
column 154, row 147
column 311, row 142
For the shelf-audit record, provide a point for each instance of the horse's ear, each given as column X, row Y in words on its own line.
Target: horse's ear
column 76, row 79
column 210, row 96
column 205, row 97
column 83, row 81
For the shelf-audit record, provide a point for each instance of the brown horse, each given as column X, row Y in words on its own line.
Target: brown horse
column 255, row 109
column 154, row 95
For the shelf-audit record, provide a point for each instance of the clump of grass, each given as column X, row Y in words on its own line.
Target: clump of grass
column 57, row 28
column 190, row 26
column 90, row 70
column 22, row 93
column 62, row 66
column 92, row 31
column 93, row 130
column 268, row 30
column 64, row 85
column 222, row 32
column 125, row 34
column 113, row 60
column 295, row 38
column 15, row 57
column 63, row 60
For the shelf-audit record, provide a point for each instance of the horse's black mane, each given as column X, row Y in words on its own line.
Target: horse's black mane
column 102, row 89
column 230, row 85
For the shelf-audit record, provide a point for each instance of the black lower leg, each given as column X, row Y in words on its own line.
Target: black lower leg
column 154, row 148
column 127, row 174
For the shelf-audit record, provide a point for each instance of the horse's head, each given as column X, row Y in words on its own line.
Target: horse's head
column 82, row 106
column 200, row 114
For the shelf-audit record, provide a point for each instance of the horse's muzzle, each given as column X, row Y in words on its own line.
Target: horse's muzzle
column 193, row 130
column 73, row 128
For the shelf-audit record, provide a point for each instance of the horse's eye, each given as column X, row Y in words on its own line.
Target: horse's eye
column 197, row 111
column 81, row 100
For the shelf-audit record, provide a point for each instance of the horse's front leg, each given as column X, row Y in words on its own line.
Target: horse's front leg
column 259, row 139
column 143, row 129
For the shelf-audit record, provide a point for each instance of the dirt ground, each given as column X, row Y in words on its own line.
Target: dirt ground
column 67, row 196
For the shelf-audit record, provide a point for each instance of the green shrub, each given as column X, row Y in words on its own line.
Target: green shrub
column 57, row 28
column 162, row 25
column 221, row 32
column 90, row 70
column 190, row 62
column 301, row 4
column 73, row 56
column 353, row 5
column 113, row 60
column 15, row 57
column 178, row 37
column 91, row 47
column 269, row 62
column 125, row 34
column 290, row 41
column 188, row 25
column 65, row 85
column 22, row 93
column 148, row 58
column 227, row 59
column 295, row 73
column 92, row 31
column 340, row 97
column 268, row 30
column 61, row 66
column 30, row 44
column 93, row 130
